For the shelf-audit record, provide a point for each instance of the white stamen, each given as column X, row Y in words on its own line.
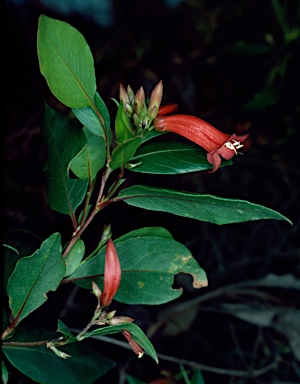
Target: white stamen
column 233, row 146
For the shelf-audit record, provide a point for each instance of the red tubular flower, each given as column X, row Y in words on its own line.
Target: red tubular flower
column 112, row 274
column 215, row 142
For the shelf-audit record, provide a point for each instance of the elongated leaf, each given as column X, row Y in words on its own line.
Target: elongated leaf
column 88, row 117
column 34, row 276
column 65, row 140
column 74, row 257
column 66, row 62
column 124, row 152
column 148, row 266
column 136, row 333
column 146, row 231
column 170, row 158
column 91, row 159
column 85, row 365
column 208, row 208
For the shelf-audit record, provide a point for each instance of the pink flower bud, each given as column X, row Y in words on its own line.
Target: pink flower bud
column 123, row 95
column 155, row 100
column 120, row 320
column 96, row 290
column 112, row 274
column 139, row 101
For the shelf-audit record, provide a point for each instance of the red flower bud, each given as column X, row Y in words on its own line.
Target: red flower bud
column 137, row 349
column 112, row 274
column 215, row 142
column 166, row 109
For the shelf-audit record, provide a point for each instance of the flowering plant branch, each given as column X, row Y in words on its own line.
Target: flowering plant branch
column 83, row 147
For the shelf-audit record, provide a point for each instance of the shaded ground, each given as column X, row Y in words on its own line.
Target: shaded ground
column 235, row 65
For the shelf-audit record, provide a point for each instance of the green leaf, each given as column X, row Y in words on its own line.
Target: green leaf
column 92, row 122
column 74, row 257
column 146, row 231
column 197, row 378
column 267, row 97
column 62, row 328
column 66, row 62
column 124, row 152
column 4, row 374
column 85, row 365
column 245, row 48
column 152, row 134
column 133, row 380
column 149, row 265
column 213, row 209
column 91, row 159
column 34, row 276
column 136, row 333
column 64, row 140
column 170, row 158
column 122, row 125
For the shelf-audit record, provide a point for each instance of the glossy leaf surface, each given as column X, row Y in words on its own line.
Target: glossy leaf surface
column 85, row 365
column 124, row 152
column 64, row 140
column 74, row 257
column 99, row 125
column 91, row 159
column 66, row 62
column 213, row 209
column 171, row 158
column 149, row 265
column 136, row 333
column 39, row 273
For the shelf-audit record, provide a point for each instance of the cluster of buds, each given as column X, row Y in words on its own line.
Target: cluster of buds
column 141, row 112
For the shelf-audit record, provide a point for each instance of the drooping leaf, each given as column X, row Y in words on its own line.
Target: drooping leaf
column 171, row 158
column 66, row 62
column 99, row 125
column 64, row 140
column 74, row 257
column 208, row 208
column 149, row 265
column 34, row 276
column 91, row 159
column 124, row 152
column 136, row 333
column 85, row 365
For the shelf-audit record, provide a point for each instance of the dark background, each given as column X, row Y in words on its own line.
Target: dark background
column 235, row 64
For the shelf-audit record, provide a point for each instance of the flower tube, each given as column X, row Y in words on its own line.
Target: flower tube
column 215, row 142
